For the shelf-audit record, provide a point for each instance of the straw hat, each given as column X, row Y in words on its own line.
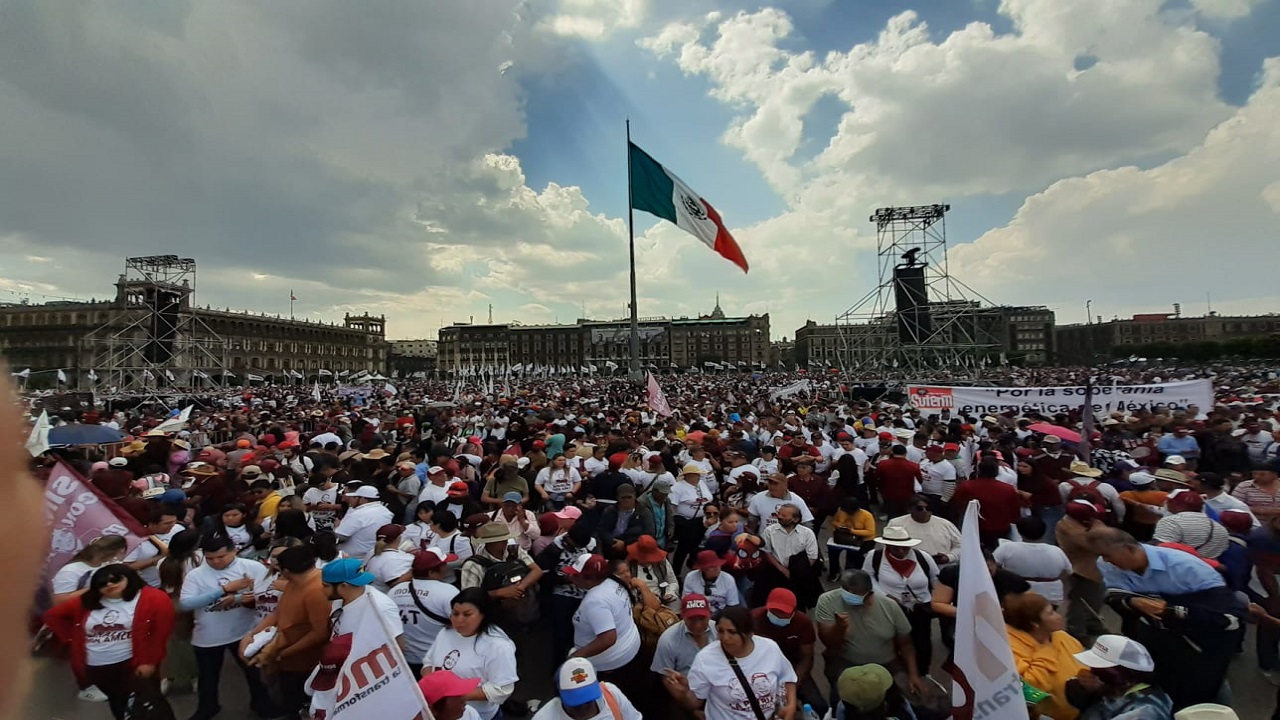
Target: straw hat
column 898, row 537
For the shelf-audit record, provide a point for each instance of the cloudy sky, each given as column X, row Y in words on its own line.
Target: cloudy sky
column 426, row 158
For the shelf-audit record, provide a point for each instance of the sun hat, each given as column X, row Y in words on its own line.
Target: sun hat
column 1112, row 650
column 1171, row 476
column 1206, row 711
column 694, row 605
column 898, row 537
column 691, row 469
column 332, row 657
column 707, row 559
column 443, row 684
column 376, row 454
column 492, row 532
column 424, row 561
column 645, row 550
column 1083, row 469
column 577, row 683
column 368, row 492
column 588, row 567
column 346, row 570
column 864, row 686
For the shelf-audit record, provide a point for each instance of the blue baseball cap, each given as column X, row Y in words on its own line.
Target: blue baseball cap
column 171, row 497
column 577, row 683
column 345, row 570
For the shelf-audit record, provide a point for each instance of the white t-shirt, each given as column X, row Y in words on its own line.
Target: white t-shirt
column 553, row 710
column 265, row 597
column 723, row 592
column 708, row 476
column 1035, row 560
column 594, row 467
column 147, row 550
column 939, row 478
column 736, row 476
column 689, row 499
column 558, row 482
column 109, row 632
column 767, row 467
column 417, row 535
column 766, row 669
column 323, row 519
column 72, row 577
column 433, row 492
column 606, row 607
column 420, row 629
column 221, row 627
column 358, row 531
column 373, row 600
column 491, row 656
column 456, row 544
column 765, row 507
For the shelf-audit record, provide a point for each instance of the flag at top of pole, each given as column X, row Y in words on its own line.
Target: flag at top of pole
column 657, row 191
column 987, row 685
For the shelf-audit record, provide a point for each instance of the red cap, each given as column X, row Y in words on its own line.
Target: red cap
column 781, row 601
column 1236, row 520
column 443, row 684
column 589, row 567
column 424, row 561
column 458, row 486
column 474, row 439
column 616, row 460
column 951, row 447
column 331, row 658
column 843, row 436
column 1184, row 500
column 932, row 448
column 694, row 605
column 538, row 445
column 886, row 436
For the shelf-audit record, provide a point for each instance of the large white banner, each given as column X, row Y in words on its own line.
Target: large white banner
column 987, row 685
column 375, row 681
column 1051, row 400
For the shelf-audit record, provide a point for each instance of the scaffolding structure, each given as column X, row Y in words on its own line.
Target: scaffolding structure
column 918, row 320
column 155, row 343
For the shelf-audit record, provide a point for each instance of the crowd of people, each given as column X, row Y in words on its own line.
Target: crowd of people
column 745, row 558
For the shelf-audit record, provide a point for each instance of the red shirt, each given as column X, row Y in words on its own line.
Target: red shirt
column 1001, row 503
column 898, row 477
column 790, row 637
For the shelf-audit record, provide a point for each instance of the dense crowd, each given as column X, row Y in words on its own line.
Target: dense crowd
column 745, row 558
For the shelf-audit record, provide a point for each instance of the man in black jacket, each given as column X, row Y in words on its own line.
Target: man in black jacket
column 625, row 521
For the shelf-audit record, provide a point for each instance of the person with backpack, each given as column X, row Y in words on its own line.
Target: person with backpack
column 906, row 574
column 505, row 571
column 560, row 595
column 1086, row 485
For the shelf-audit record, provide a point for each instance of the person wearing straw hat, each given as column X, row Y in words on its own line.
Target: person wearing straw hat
column 906, row 574
column 1085, row 483
column 494, row 546
column 687, row 498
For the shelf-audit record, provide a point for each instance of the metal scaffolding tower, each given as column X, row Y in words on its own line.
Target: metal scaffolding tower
column 154, row 342
column 918, row 319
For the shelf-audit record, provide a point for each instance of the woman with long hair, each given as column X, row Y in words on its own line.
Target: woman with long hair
column 388, row 562
column 558, row 483
column 117, row 631
column 738, row 666
column 472, row 646
column 325, row 543
column 234, row 523
column 72, row 579
column 292, row 522
column 184, row 555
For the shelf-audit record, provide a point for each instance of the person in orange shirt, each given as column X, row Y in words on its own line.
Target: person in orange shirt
column 1043, row 651
column 851, row 526
column 1143, row 506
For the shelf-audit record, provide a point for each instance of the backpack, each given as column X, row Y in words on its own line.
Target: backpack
column 652, row 622
column 1090, row 492
column 499, row 575
column 877, row 559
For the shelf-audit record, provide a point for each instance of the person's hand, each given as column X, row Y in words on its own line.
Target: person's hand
column 235, row 586
column 225, row 603
column 941, row 559
column 145, row 671
column 915, row 686
column 513, row 593
column 1088, row 682
column 787, row 712
column 280, row 584
column 842, row 621
column 675, row 680
column 244, row 645
column 1148, row 606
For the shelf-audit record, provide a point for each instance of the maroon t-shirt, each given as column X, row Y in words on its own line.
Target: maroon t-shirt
column 796, row 634
column 1001, row 503
column 898, row 477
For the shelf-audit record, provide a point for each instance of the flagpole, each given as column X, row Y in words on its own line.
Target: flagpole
column 631, row 233
column 290, row 303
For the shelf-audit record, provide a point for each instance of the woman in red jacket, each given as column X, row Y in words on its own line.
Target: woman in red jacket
column 117, row 632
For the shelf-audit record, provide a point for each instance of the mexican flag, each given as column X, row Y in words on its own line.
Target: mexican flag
column 657, row 191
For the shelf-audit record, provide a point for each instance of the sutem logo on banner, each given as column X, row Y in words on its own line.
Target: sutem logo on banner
column 936, row 398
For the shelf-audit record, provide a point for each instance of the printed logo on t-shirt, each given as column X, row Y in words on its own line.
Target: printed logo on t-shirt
column 109, row 630
column 762, row 687
column 451, row 660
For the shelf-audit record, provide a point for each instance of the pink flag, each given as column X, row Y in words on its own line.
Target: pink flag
column 77, row 512
column 657, row 400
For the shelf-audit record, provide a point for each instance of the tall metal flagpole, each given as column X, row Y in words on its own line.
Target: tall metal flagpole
column 634, row 365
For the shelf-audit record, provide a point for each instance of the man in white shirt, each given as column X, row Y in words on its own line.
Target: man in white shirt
column 424, row 603
column 357, row 532
column 1043, row 566
column 220, row 594
column 145, row 558
column 791, row 549
column 436, row 488
column 763, row 508
column 938, row 537
column 345, row 582
column 939, row 478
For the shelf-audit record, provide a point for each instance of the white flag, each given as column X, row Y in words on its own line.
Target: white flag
column 24, row 374
column 987, row 685
column 201, row 374
column 169, row 374
column 344, row 373
column 38, row 440
column 375, row 681
column 251, row 377
column 146, row 374
column 325, row 372
column 315, row 391
column 391, row 389
column 657, row 400
column 610, row 365
column 62, row 377
column 177, row 422
column 93, row 375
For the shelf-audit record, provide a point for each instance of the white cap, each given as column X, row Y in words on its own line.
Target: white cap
column 1141, row 477
column 365, row 491
column 1206, row 711
column 118, row 462
column 1112, row 650
column 1175, row 460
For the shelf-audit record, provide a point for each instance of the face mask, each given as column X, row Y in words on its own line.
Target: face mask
column 852, row 598
column 780, row 622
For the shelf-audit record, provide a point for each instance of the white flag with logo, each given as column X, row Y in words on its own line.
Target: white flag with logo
column 390, row 389
column 987, row 685
column 375, row 681
column 657, row 399
column 177, row 422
